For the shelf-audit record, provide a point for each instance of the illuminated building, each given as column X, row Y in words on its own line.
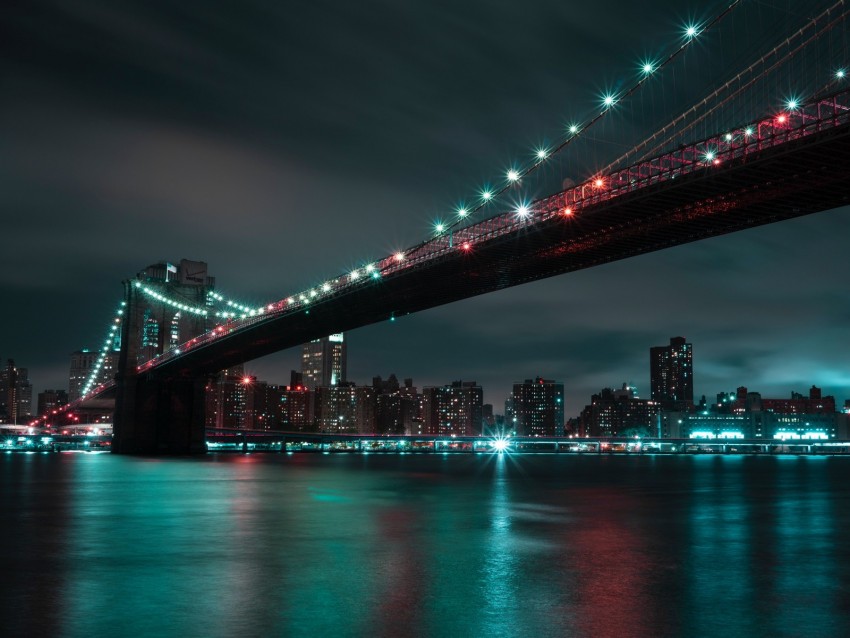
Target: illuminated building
column 296, row 406
column 50, row 400
column 671, row 374
column 15, row 393
column 620, row 413
column 346, row 408
column 538, row 408
column 398, row 406
column 453, row 409
column 748, row 415
column 230, row 400
column 324, row 361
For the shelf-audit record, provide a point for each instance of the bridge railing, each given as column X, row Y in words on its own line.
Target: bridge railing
column 707, row 154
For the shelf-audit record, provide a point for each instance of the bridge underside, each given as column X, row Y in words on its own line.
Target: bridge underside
column 801, row 177
column 805, row 176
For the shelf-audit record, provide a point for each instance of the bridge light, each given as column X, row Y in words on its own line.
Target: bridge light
column 709, row 156
column 573, row 129
column 568, row 211
column 792, row 104
column 370, row 268
column 466, row 245
column 399, row 256
column 486, row 196
column 462, row 212
column 781, row 118
column 522, row 210
column 728, row 137
column 608, row 100
column 326, row 287
column 598, row 182
column 748, row 131
column 691, row 31
column 354, row 274
column 648, row 68
column 513, row 175
column 840, row 73
column 542, row 154
column 439, row 228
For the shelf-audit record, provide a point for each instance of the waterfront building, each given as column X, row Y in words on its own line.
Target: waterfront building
column 671, row 374
column 324, row 361
column 538, row 408
column 268, row 404
column 620, row 413
column 746, row 414
column 15, row 394
column 296, row 406
column 336, row 408
column 453, row 409
column 50, row 400
column 229, row 400
column 398, row 406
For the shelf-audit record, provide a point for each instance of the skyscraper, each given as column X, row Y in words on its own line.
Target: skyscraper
column 671, row 374
column 324, row 361
column 15, row 393
column 453, row 409
column 538, row 407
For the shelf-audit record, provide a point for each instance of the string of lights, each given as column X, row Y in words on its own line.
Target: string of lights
column 838, row 75
column 648, row 68
column 112, row 338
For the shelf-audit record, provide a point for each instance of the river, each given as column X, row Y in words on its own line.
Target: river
column 432, row 546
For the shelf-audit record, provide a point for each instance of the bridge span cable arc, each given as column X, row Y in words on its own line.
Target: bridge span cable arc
column 577, row 130
column 750, row 69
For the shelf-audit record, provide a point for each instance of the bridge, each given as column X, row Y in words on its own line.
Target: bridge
column 790, row 162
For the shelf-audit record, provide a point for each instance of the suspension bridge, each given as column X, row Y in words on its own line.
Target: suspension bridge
column 790, row 161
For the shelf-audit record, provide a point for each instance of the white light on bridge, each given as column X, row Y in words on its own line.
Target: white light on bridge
column 513, row 176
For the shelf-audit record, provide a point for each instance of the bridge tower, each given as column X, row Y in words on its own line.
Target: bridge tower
column 165, row 305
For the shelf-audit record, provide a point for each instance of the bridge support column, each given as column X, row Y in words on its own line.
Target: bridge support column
column 159, row 416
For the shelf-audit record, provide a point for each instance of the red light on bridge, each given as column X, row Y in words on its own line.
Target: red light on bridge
column 466, row 246
column 568, row 211
column 781, row 119
column 598, row 182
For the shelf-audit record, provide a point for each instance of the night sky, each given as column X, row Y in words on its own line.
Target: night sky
column 285, row 144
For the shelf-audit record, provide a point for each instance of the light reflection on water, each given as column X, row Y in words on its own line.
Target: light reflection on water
column 490, row 545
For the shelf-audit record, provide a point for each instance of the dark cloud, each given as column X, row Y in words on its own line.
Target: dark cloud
column 285, row 144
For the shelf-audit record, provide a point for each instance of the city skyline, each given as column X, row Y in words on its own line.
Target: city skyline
column 106, row 153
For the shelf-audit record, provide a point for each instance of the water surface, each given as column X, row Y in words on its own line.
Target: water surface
column 486, row 545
